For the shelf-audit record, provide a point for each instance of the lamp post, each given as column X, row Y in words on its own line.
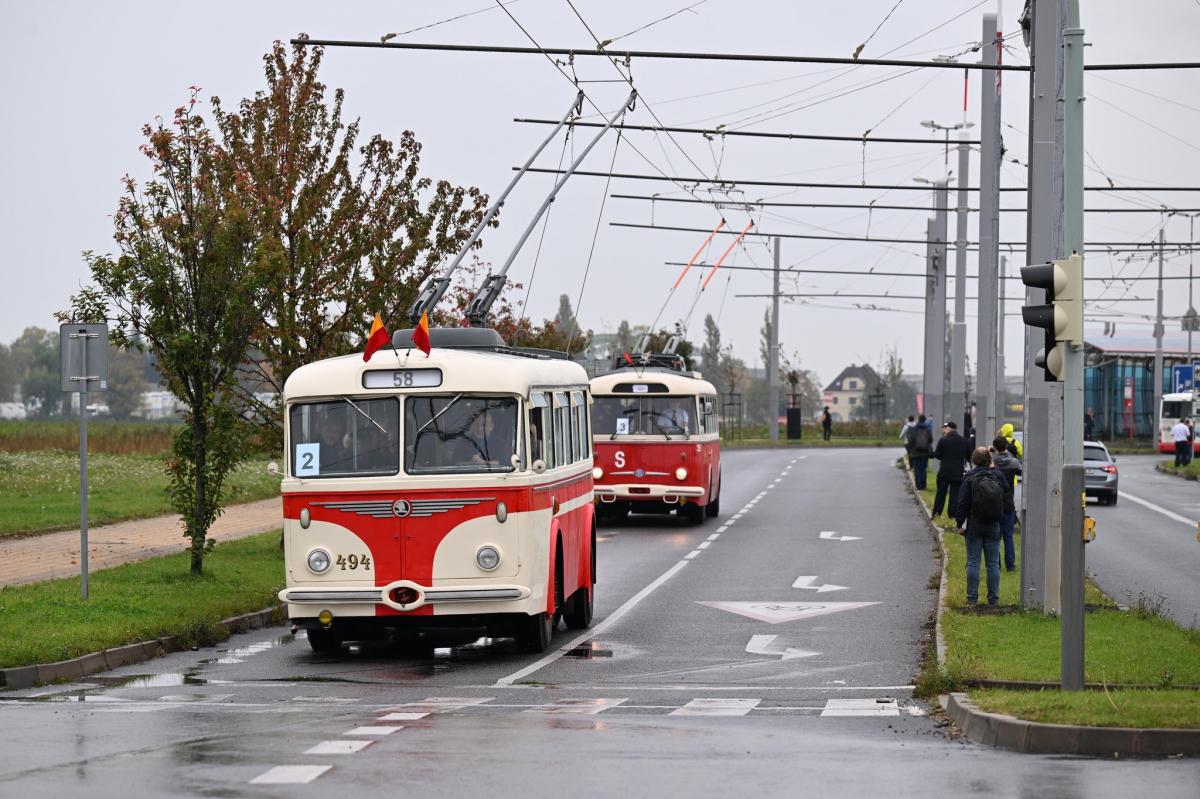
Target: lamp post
column 929, row 123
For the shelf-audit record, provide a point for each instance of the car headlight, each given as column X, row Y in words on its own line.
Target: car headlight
column 488, row 558
column 597, row 473
column 318, row 561
column 681, row 473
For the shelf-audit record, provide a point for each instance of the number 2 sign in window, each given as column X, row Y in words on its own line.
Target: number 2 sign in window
column 308, row 460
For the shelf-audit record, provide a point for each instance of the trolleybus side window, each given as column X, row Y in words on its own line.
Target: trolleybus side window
column 459, row 434
column 579, row 425
column 345, row 438
column 539, row 432
column 562, row 431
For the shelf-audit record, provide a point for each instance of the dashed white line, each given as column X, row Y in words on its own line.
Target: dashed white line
column 703, row 545
column 691, row 554
column 290, row 775
column 714, row 536
column 338, row 747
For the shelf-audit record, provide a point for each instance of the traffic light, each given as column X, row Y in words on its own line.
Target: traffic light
column 1061, row 318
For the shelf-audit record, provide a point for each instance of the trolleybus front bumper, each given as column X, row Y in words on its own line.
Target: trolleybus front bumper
column 646, row 491
column 392, row 592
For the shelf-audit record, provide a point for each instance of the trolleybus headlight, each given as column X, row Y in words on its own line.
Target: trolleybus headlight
column 488, row 557
column 318, row 561
column 597, row 473
column 681, row 473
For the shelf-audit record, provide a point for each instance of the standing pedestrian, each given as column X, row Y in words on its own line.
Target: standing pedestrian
column 1014, row 446
column 919, row 452
column 1180, row 433
column 1191, row 442
column 1089, row 426
column 906, row 433
column 952, row 452
column 1010, row 469
column 826, row 424
column 980, row 510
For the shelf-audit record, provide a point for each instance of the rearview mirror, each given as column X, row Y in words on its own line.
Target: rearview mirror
column 538, row 466
column 273, row 468
column 515, row 460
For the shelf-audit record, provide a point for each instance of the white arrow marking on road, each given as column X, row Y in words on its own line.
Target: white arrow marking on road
column 807, row 584
column 830, row 535
column 760, row 645
column 779, row 612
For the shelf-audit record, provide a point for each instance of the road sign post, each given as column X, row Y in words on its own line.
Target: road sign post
column 84, row 353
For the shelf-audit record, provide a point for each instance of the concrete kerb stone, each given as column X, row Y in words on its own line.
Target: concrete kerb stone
column 939, row 640
column 19, row 677
column 1009, row 732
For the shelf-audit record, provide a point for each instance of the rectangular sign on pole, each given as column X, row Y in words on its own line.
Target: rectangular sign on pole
column 84, row 350
column 1181, row 378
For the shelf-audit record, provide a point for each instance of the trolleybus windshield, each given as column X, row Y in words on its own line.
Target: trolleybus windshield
column 643, row 415
column 459, row 434
column 345, row 438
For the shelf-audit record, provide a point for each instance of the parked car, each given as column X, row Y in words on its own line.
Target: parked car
column 1099, row 473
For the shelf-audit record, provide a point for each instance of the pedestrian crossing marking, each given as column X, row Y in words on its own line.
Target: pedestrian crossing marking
column 576, row 707
column 377, row 731
column 403, row 716
column 860, row 707
column 290, row 775
column 716, row 707
column 338, row 747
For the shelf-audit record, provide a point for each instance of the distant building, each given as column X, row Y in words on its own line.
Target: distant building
column 849, row 390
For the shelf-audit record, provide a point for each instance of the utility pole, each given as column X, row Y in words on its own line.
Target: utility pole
column 1039, row 539
column 958, row 336
column 1001, row 318
column 773, row 356
column 1073, row 566
column 1159, row 329
column 935, row 330
column 989, row 230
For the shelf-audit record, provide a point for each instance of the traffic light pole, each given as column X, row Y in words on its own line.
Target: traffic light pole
column 989, row 233
column 1071, row 587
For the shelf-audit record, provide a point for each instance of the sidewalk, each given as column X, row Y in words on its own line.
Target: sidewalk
column 46, row 557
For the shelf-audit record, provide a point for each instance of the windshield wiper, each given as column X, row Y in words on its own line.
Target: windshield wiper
column 365, row 415
column 434, row 418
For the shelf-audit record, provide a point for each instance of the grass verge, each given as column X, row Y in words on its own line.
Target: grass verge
column 48, row 622
column 104, row 435
column 40, row 490
column 1189, row 472
column 1138, row 646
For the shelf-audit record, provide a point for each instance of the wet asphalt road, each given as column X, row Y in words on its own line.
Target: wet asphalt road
column 1146, row 544
column 769, row 651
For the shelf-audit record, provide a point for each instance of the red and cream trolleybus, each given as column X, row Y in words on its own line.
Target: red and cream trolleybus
column 655, row 442
column 447, row 496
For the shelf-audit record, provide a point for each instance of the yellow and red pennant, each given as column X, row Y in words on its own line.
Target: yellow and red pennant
column 378, row 337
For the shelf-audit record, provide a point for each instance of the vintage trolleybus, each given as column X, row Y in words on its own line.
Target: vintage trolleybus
column 655, row 441
column 439, row 497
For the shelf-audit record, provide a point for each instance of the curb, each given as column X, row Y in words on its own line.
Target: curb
column 939, row 641
column 1158, row 467
column 19, row 677
column 1009, row 732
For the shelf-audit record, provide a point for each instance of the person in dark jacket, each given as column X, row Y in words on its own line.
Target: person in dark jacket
column 982, row 536
column 1010, row 469
column 952, row 452
column 920, row 450
column 826, row 424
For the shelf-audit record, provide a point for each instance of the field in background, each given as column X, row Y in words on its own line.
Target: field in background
column 104, row 436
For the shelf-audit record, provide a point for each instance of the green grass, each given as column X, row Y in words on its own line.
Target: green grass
column 1113, row 708
column 47, row 622
column 39, row 491
column 1138, row 646
column 1189, row 472
column 107, row 436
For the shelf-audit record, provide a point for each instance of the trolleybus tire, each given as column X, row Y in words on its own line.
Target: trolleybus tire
column 713, row 508
column 694, row 513
column 578, row 612
column 324, row 640
column 536, row 632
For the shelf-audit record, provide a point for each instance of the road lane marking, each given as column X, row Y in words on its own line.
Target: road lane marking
column 722, row 528
column 1169, row 514
column 716, row 707
column 778, row 612
column 290, row 775
column 714, row 536
column 762, row 645
column 830, row 535
column 860, row 707
column 807, row 584
column 403, row 716
column 338, row 747
column 576, row 707
column 609, row 621
column 703, row 545
column 377, row 731
column 692, row 554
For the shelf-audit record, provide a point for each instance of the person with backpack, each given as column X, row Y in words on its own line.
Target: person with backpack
column 920, row 450
column 906, row 433
column 1010, row 469
column 1014, row 446
column 980, row 511
column 952, row 452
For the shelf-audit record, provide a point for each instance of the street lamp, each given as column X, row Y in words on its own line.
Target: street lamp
column 929, row 123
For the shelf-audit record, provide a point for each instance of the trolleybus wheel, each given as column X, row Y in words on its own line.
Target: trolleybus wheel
column 535, row 632
column 324, row 640
column 578, row 613
column 714, row 505
column 694, row 513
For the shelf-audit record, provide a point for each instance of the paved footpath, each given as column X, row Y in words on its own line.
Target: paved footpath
column 45, row 557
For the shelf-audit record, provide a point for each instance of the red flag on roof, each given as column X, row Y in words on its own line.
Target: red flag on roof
column 378, row 337
column 628, row 358
column 420, row 335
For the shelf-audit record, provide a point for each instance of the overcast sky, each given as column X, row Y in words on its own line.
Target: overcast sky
column 80, row 79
